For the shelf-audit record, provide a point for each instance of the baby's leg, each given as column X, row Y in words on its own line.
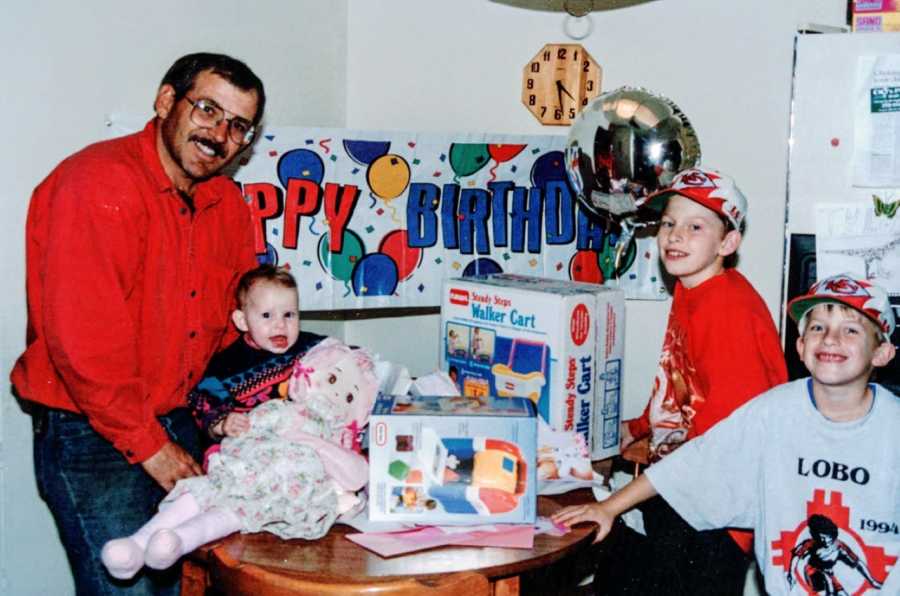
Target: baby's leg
column 170, row 544
column 124, row 557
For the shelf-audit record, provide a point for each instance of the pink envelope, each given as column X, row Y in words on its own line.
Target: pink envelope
column 389, row 544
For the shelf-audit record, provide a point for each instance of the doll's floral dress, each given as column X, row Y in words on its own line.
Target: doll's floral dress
column 272, row 483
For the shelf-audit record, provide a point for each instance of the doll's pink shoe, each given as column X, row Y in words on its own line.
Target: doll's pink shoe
column 122, row 557
column 163, row 550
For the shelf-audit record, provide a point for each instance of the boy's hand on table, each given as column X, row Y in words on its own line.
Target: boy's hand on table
column 591, row 512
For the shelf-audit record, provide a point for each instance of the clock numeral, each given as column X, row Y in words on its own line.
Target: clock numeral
column 557, row 114
column 589, row 87
column 547, row 56
column 561, row 54
column 530, row 83
column 586, row 66
column 535, row 67
column 571, row 113
column 532, row 100
column 575, row 56
column 584, row 101
column 543, row 111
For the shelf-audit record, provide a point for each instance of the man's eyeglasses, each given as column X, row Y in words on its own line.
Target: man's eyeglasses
column 208, row 114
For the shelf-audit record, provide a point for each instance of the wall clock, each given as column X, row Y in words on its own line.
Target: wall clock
column 559, row 81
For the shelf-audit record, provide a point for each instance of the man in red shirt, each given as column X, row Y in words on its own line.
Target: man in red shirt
column 133, row 249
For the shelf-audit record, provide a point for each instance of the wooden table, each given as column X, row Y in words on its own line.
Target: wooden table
column 333, row 557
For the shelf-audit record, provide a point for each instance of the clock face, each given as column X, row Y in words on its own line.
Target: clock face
column 559, row 81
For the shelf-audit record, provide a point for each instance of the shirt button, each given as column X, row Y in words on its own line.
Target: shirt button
column 184, row 210
column 129, row 453
column 190, row 375
column 192, row 334
column 193, row 293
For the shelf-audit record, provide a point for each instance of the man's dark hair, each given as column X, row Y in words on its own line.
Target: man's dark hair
column 182, row 74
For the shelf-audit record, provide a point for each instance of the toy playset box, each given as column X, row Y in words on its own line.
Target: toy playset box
column 452, row 460
column 556, row 342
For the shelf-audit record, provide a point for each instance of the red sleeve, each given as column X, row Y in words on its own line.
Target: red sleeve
column 245, row 260
column 90, row 265
column 738, row 356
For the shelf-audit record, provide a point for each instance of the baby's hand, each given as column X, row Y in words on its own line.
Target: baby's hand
column 592, row 512
column 235, row 424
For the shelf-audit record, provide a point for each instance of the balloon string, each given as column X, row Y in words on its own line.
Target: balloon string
column 374, row 200
column 312, row 222
column 493, row 171
column 324, row 145
column 393, row 213
column 347, row 288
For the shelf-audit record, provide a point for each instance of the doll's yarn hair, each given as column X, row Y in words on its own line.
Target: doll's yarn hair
column 326, row 353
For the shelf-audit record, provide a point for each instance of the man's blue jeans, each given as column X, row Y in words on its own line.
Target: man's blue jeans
column 96, row 495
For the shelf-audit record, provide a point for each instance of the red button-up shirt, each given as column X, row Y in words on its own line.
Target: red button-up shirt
column 129, row 292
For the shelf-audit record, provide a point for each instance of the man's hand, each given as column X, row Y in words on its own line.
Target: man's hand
column 170, row 464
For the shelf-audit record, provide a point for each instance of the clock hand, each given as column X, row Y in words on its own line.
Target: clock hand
column 559, row 92
column 561, row 87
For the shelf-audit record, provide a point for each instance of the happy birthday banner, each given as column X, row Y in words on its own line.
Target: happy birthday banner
column 370, row 220
column 379, row 219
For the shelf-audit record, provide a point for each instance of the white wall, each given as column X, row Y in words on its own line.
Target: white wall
column 456, row 66
column 66, row 65
column 380, row 64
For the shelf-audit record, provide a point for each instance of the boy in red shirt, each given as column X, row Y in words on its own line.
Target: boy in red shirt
column 721, row 348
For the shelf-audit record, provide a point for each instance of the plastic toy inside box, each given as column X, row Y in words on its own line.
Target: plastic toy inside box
column 452, row 460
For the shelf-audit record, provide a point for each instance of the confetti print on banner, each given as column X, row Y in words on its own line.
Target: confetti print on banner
column 443, row 157
column 421, row 288
column 535, row 151
column 318, row 286
column 411, row 144
column 309, row 141
column 438, row 260
column 275, row 231
column 456, row 265
column 270, row 137
column 559, row 266
column 273, row 153
column 416, row 161
column 506, row 256
column 333, row 158
column 307, row 263
column 533, row 263
column 380, row 211
column 324, row 145
column 370, row 229
column 437, row 174
column 354, row 171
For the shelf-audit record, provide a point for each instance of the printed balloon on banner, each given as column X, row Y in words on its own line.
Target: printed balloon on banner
column 375, row 275
column 340, row 264
column 549, row 167
column 482, row 266
column 365, row 152
column 396, row 246
column 624, row 145
column 584, row 267
column 502, row 153
column 270, row 257
column 300, row 163
column 388, row 176
column 468, row 158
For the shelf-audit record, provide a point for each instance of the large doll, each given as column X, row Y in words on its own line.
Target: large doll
column 292, row 473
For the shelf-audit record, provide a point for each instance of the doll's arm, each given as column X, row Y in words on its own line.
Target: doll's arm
column 348, row 468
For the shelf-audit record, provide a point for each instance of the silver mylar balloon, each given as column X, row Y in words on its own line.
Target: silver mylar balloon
column 624, row 145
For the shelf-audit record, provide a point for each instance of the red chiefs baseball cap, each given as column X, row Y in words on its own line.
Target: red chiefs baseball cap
column 710, row 188
column 860, row 295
